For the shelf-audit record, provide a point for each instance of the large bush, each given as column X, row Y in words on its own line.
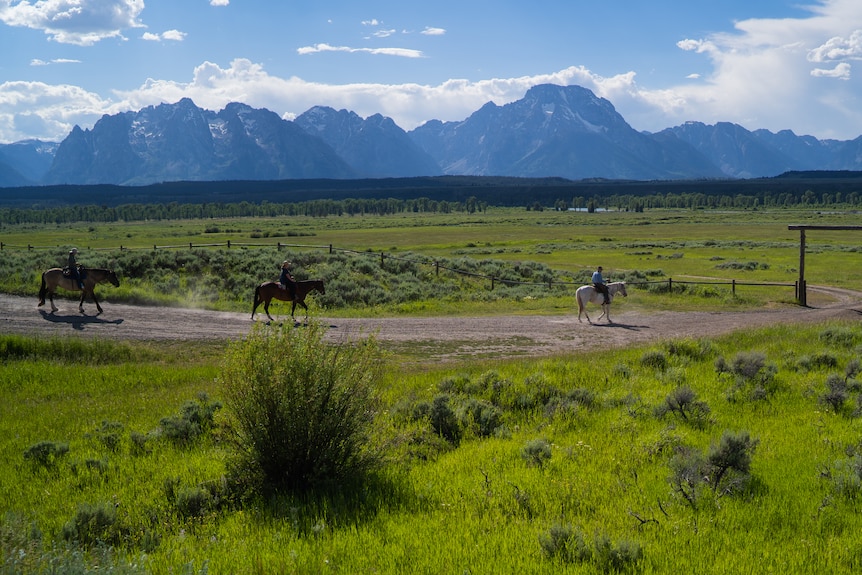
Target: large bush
column 302, row 409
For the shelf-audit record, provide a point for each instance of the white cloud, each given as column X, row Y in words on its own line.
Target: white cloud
column 44, row 111
column 793, row 73
column 383, row 33
column 838, row 48
column 402, row 52
column 841, row 71
column 765, row 74
column 81, row 22
column 38, row 62
column 372, row 22
column 219, row 2
column 430, row 31
column 174, row 35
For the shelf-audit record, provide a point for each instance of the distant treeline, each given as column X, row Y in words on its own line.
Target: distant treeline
column 321, row 198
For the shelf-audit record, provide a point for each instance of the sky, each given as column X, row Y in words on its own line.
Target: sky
column 767, row 64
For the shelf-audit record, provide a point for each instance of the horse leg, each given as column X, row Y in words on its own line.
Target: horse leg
column 98, row 307
column 51, row 297
column 302, row 303
column 266, row 309
column 256, row 301
column 42, row 291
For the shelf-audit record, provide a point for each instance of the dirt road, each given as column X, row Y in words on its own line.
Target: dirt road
column 437, row 337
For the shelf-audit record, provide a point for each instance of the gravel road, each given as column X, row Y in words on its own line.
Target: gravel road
column 435, row 337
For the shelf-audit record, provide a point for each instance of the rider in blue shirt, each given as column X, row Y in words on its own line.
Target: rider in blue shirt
column 599, row 284
column 286, row 279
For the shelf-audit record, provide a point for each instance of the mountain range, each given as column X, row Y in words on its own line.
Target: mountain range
column 553, row 131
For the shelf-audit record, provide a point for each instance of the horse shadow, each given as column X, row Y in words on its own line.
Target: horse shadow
column 625, row 326
column 78, row 321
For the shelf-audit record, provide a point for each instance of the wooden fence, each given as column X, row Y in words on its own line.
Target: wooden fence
column 670, row 282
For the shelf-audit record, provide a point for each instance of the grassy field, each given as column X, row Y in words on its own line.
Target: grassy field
column 583, row 458
column 746, row 246
column 585, row 463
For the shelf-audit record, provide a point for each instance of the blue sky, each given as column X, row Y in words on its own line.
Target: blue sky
column 761, row 64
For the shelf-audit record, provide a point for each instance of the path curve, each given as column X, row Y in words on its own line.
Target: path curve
column 435, row 337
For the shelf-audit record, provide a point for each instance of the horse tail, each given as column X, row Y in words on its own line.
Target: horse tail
column 256, row 301
column 42, row 291
column 579, row 295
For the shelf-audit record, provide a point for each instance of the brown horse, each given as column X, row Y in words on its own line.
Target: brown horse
column 54, row 278
column 267, row 291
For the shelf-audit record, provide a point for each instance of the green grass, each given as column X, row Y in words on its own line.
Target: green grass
column 477, row 506
column 435, row 507
column 746, row 246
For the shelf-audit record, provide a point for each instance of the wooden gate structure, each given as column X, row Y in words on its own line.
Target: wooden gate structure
column 801, row 295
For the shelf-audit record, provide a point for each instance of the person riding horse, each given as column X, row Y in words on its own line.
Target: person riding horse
column 599, row 284
column 286, row 280
column 74, row 272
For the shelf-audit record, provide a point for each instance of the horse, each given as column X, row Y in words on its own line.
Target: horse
column 54, row 278
column 267, row 291
column 588, row 293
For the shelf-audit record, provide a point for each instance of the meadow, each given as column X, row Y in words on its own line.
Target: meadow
column 732, row 454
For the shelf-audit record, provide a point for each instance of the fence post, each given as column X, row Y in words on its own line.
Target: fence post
column 190, row 246
column 382, row 258
column 669, row 285
column 733, row 287
column 330, row 249
column 492, row 283
column 228, row 244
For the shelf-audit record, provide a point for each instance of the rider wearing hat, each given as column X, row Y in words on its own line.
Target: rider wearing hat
column 600, row 285
column 74, row 272
column 286, row 280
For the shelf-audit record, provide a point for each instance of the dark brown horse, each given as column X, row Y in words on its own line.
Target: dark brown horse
column 54, row 278
column 268, row 291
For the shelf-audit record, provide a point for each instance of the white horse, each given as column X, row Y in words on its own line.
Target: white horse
column 589, row 293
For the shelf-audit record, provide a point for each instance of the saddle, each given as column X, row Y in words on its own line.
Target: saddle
column 67, row 272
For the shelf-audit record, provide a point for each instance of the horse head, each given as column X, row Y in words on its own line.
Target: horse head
column 623, row 289
column 112, row 277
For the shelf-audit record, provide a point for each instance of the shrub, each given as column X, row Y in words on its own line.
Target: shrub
column 481, row 417
column 730, row 460
column 754, row 378
column 836, row 393
column 839, row 337
column 302, row 409
column 194, row 420
column 683, row 402
column 536, row 452
column 93, row 524
column 569, row 546
column 46, row 453
column 564, row 543
column 654, row 359
column 724, row 469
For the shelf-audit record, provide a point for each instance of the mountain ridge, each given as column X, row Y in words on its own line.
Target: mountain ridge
column 553, row 131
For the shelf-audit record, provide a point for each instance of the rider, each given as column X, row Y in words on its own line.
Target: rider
column 600, row 285
column 286, row 280
column 74, row 272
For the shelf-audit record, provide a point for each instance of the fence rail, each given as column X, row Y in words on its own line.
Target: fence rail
column 430, row 261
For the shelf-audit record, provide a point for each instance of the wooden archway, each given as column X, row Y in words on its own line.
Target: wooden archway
column 801, row 295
